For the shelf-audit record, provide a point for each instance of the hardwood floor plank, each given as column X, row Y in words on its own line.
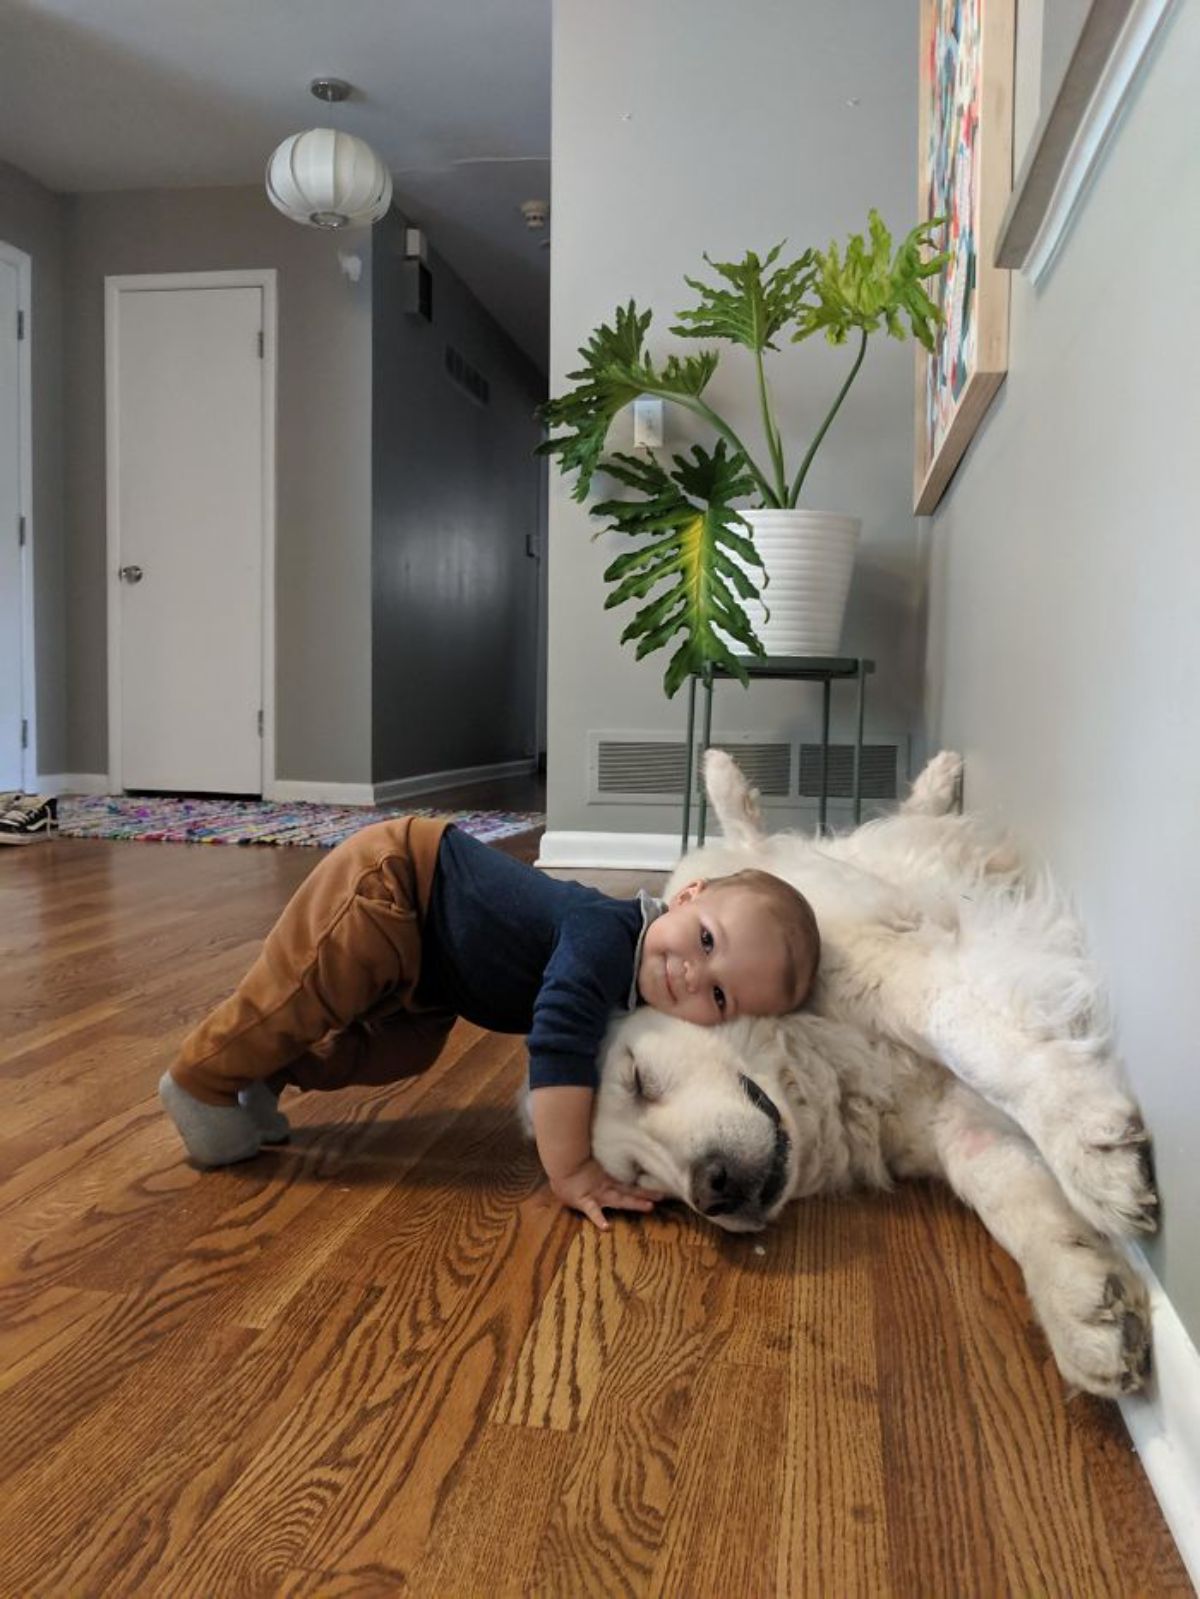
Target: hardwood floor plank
column 732, row 1463
column 618, row 1494
column 833, row 1508
column 365, row 1466
column 1033, row 1440
column 48, row 1324
column 20, row 1042
column 478, row 1545
column 177, row 1435
column 562, row 1360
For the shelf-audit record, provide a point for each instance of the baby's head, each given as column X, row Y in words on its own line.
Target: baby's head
column 745, row 945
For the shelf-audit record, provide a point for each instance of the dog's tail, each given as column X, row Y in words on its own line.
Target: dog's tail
column 732, row 798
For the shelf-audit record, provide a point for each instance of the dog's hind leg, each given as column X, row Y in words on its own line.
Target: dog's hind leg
column 937, row 790
column 733, row 800
column 1086, row 1295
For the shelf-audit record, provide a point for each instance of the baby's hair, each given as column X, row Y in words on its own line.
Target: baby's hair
column 793, row 915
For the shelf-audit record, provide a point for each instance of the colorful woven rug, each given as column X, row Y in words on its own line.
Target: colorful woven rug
column 201, row 821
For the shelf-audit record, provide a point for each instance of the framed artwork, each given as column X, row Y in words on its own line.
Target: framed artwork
column 965, row 175
column 1105, row 54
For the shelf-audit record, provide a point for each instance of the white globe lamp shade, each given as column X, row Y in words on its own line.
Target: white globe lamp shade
column 328, row 179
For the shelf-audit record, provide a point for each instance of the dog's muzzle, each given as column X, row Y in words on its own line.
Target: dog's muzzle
column 738, row 1192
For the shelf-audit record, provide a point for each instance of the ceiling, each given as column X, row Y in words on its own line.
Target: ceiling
column 453, row 94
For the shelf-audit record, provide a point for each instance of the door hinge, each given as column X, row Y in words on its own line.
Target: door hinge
column 260, row 344
column 260, row 724
column 20, row 324
column 24, row 734
column 21, row 531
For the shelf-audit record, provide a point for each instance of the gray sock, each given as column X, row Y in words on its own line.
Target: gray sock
column 213, row 1135
column 263, row 1106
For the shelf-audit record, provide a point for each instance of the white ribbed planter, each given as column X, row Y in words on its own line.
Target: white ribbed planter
column 809, row 556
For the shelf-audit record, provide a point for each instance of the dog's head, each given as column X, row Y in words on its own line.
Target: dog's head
column 681, row 1109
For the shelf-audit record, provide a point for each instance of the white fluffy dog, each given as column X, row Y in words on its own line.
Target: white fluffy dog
column 956, row 1030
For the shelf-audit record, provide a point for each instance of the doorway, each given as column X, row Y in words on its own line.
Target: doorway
column 18, row 723
column 190, row 361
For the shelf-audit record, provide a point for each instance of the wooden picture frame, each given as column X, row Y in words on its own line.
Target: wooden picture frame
column 965, row 174
column 1113, row 45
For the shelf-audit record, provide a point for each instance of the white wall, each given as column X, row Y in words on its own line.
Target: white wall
column 695, row 125
column 1064, row 652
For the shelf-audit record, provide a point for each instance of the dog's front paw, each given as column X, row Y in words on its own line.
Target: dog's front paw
column 1095, row 1312
column 1102, row 1159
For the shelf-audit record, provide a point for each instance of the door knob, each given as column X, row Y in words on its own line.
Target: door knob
column 130, row 574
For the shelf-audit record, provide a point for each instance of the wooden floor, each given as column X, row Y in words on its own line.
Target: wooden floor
column 379, row 1360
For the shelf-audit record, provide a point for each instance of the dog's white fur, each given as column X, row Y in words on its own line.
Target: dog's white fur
column 956, row 1030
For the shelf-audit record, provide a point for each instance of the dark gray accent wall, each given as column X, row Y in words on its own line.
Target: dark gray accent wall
column 31, row 219
column 323, row 458
column 456, row 493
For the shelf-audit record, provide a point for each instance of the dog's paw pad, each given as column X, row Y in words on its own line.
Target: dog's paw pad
column 1105, row 1165
column 1096, row 1314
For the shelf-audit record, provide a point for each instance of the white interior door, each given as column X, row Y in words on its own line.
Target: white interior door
column 12, row 627
column 187, row 500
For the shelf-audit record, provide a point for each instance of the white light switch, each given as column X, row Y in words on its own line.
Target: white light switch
column 647, row 424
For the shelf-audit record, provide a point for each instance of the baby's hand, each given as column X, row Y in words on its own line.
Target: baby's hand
column 590, row 1189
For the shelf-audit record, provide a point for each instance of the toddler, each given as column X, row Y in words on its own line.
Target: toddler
column 411, row 923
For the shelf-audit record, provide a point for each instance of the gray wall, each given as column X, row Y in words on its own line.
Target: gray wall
column 323, row 460
column 31, row 219
column 678, row 131
column 455, row 494
column 1064, row 655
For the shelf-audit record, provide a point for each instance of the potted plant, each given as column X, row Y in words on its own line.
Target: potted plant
column 701, row 561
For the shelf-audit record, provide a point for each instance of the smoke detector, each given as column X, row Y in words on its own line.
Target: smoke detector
column 536, row 214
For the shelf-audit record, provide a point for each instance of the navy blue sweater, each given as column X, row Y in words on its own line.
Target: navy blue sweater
column 517, row 952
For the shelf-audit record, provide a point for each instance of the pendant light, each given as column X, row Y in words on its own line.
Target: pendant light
column 325, row 178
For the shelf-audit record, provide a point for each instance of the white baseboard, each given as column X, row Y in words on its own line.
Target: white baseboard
column 651, row 852
column 318, row 793
column 287, row 791
column 73, row 783
column 1164, row 1423
column 456, row 777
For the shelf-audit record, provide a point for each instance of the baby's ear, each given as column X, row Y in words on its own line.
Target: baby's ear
column 689, row 891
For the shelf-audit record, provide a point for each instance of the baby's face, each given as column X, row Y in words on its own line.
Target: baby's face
column 713, row 955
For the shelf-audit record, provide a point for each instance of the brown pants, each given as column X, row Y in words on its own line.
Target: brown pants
column 329, row 1001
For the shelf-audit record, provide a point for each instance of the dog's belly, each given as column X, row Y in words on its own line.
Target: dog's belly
column 841, row 894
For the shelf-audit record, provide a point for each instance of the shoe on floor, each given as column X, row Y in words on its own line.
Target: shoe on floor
column 28, row 817
column 263, row 1106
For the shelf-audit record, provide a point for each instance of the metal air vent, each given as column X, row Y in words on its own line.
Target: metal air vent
column 642, row 767
column 880, row 771
column 467, row 377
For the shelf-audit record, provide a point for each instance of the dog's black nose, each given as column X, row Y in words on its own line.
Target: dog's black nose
column 718, row 1188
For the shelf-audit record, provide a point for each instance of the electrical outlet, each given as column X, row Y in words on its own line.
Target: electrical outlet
column 647, row 424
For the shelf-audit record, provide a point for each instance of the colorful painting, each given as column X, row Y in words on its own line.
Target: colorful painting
column 951, row 161
column 966, row 173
